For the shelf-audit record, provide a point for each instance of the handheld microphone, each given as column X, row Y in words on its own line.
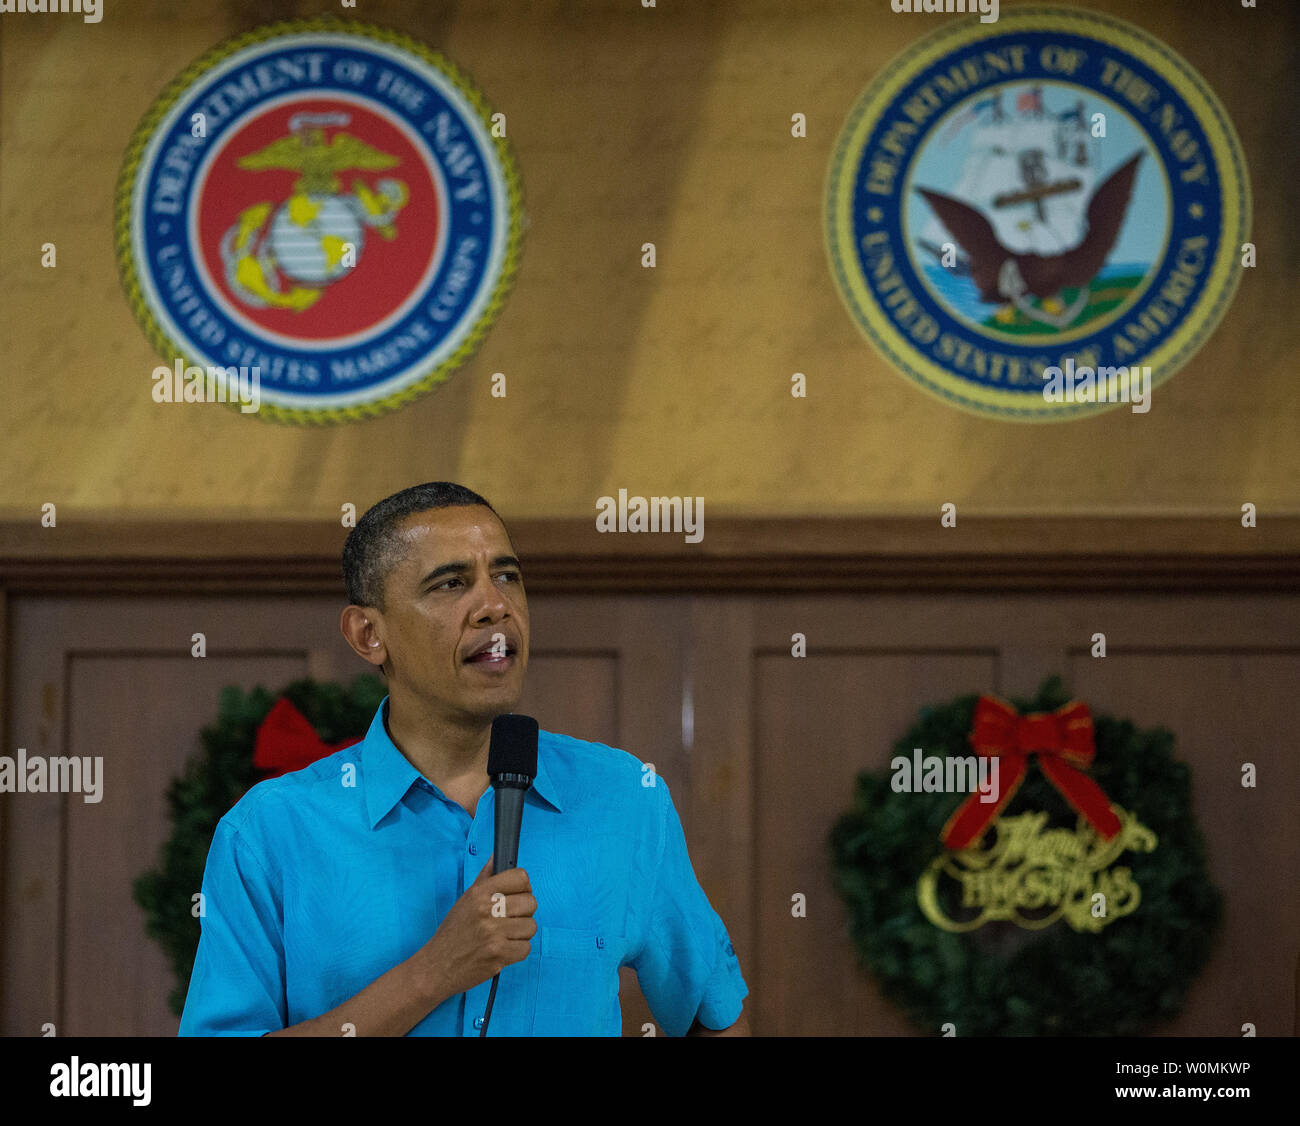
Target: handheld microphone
column 512, row 766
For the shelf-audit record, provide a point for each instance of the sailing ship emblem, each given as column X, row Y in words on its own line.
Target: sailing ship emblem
column 1009, row 202
column 1033, row 227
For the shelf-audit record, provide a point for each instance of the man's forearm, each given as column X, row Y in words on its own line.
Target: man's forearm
column 390, row 1005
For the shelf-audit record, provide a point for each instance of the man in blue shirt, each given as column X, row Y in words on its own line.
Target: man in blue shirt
column 356, row 896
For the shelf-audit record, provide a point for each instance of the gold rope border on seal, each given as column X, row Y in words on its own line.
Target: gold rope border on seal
column 179, row 85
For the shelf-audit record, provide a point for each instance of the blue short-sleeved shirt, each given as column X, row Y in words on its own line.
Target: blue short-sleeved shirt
column 322, row 880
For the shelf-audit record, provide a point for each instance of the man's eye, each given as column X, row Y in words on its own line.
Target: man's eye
column 512, row 576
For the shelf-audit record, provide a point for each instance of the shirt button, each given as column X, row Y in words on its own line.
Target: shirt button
column 600, row 941
column 473, row 850
column 478, row 1022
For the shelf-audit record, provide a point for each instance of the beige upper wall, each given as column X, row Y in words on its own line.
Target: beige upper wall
column 668, row 125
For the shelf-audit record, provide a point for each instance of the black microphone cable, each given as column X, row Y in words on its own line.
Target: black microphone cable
column 487, row 1013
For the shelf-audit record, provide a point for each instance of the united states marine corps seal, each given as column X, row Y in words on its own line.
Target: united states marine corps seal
column 1039, row 218
column 329, row 203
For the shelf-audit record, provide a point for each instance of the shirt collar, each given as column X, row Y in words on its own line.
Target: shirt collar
column 387, row 774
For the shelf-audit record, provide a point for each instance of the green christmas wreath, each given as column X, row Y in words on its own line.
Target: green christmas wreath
column 212, row 782
column 1002, row 980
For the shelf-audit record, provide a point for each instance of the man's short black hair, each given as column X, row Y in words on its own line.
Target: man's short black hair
column 373, row 548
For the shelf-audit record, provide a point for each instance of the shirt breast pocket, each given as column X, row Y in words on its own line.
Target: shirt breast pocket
column 577, row 982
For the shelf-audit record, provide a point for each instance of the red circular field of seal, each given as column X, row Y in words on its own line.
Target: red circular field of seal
column 262, row 202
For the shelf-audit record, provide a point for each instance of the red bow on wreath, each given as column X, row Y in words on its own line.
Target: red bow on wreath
column 287, row 741
column 1063, row 742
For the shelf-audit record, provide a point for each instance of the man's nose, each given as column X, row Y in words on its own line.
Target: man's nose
column 491, row 605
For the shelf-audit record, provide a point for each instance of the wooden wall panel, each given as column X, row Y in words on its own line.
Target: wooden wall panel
column 1228, row 707
column 719, row 686
column 821, row 720
column 573, row 693
column 117, row 707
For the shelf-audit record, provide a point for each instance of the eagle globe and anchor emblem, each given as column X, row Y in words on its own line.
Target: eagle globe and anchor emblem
column 317, row 234
column 1057, row 188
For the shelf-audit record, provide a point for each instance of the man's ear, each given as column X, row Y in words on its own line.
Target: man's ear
column 362, row 628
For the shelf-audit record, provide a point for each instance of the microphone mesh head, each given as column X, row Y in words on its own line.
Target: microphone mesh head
column 513, row 749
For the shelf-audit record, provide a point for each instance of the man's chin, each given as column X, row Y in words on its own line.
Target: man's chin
column 491, row 701
column 478, row 700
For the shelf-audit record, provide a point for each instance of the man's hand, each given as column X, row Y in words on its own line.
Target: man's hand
column 740, row 1028
column 474, row 941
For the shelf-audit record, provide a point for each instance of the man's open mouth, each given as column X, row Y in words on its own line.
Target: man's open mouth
column 492, row 655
